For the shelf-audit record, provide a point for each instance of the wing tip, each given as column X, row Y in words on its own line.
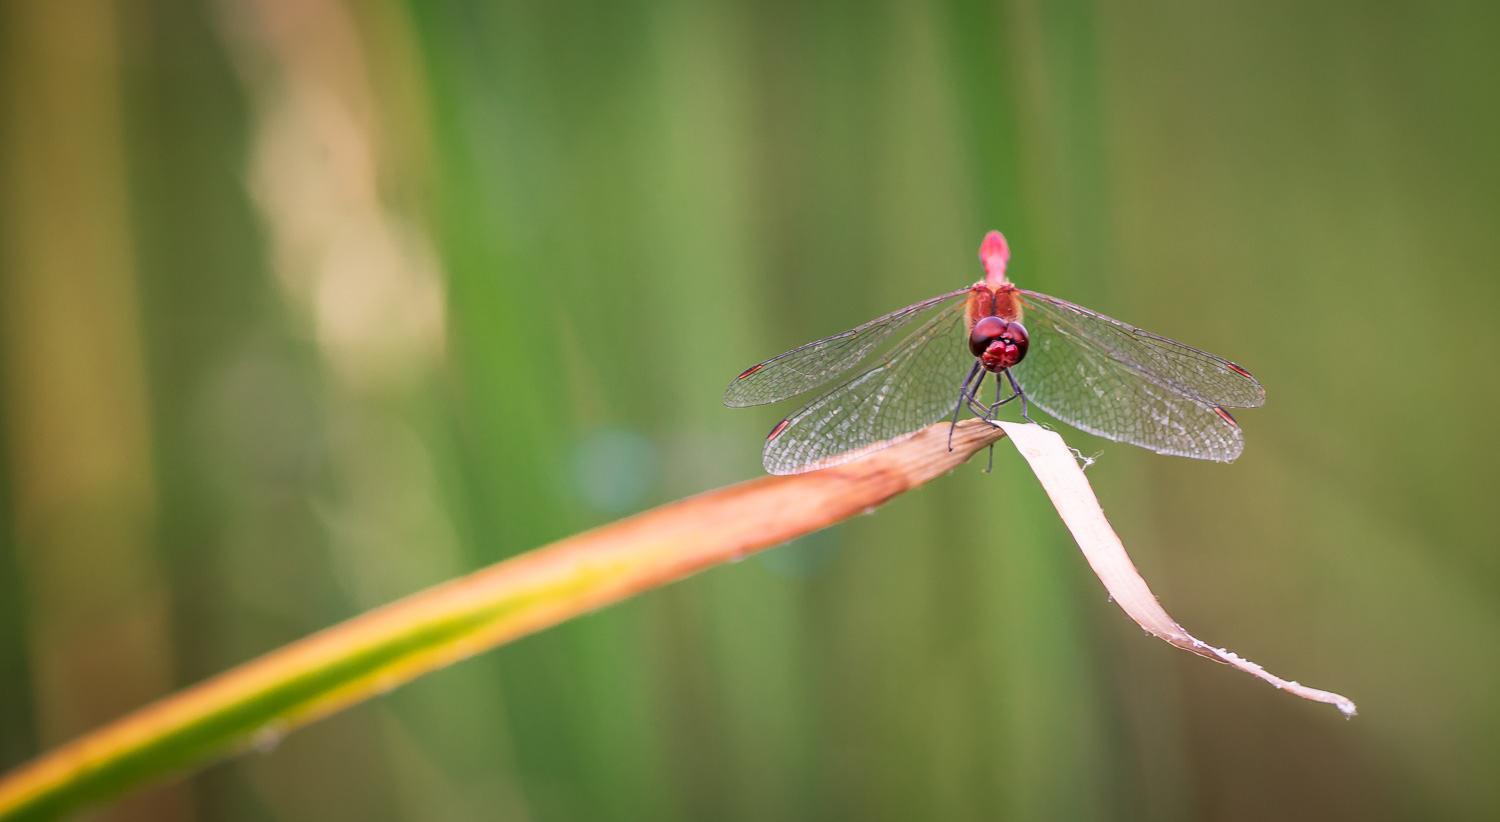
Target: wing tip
column 1260, row 391
column 732, row 397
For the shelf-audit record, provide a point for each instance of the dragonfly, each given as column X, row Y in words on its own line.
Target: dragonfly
column 1090, row 371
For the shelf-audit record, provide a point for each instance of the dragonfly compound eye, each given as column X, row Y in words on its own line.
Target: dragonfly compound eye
column 985, row 331
column 1016, row 333
column 1006, row 348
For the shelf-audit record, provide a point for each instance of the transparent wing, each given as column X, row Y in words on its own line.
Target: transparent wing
column 805, row 368
column 914, row 385
column 1104, row 377
column 1179, row 368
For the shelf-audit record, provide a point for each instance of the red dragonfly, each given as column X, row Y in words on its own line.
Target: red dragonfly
column 1094, row 373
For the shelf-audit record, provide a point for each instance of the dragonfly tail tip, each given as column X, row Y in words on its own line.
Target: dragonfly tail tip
column 994, row 252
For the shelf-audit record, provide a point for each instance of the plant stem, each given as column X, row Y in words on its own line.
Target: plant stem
column 262, row 700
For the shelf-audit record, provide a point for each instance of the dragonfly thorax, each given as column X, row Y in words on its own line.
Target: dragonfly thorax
column 998, row 344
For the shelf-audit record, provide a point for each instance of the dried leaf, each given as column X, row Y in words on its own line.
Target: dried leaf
column 1058, row 471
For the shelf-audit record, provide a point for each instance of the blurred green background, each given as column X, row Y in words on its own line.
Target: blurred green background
column 307, row 305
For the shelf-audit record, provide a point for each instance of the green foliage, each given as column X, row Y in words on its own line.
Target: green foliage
column 232, row 408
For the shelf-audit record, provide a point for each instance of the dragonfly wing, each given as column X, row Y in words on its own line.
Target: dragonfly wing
column 1083, row 373
column 805, row 368
column 914, row 385
column 1179, row 368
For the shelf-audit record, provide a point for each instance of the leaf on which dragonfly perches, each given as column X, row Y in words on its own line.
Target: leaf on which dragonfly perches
column 257, row 703
column 1055, row 467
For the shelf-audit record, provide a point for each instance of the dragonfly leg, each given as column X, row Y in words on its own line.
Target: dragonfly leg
column 981, row 411
column 998, row 386
column 1019, row 393
column 988, row 412
column 975, row 404
column 964, row 397
column 995, row 407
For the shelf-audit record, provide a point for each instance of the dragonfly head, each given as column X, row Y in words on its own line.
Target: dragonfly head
column 997, row 343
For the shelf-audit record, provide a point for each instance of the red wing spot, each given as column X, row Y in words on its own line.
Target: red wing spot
column 1236, row 368
column 754, row 368
column 1217, row 410
column 779, row 427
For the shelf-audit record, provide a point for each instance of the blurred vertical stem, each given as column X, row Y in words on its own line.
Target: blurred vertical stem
column 76, row 424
